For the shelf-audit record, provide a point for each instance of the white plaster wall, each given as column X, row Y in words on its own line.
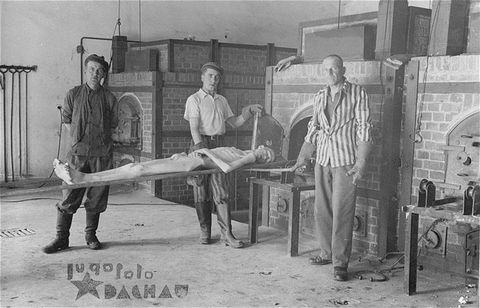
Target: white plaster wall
column 46, row 33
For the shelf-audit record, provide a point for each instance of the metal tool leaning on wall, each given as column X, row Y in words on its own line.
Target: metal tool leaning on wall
column 207, row 113
column 18, row 135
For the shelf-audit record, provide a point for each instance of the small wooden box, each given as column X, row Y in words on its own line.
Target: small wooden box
column 351, row 43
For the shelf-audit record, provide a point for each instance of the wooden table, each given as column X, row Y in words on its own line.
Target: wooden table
column 294, row 190
column 411, row 237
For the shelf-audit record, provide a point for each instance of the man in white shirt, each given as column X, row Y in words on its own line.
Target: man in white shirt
column 207, row 113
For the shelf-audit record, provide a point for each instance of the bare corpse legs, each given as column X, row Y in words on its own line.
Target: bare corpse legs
column 176, row 163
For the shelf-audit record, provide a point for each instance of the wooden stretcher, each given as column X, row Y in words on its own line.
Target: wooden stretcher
column 163, row 176
column 259, row 137
column 103, row 183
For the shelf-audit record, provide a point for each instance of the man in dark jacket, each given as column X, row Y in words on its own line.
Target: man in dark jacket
column 89, row 114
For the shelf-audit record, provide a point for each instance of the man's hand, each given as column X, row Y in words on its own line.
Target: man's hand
column 305, row 154
column 299, row 166
column 201, row 151
column 249, row 110
column 198, row 146
column 283, row 64
column 357, row 171
column 256, row 108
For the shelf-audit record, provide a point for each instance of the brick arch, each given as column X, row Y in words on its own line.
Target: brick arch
column 462, row 156
column 130, row 107
column 461, row 118
column 297, row 129
column 301, row 113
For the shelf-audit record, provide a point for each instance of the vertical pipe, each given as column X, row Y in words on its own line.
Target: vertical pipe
column 26, row 120
column 140, row 23
column 339, row 13
column 5, row 167
column 20, row 123
column 11, row 125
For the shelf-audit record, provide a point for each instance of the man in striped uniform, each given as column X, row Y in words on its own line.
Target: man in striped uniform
column 340, row 133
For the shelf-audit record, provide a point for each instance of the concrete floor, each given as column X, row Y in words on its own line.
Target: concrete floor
column 157, row 240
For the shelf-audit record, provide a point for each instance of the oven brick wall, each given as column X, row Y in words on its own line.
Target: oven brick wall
column 438, row 111
column 243, row 60
column 174, row 99
column 190, row 57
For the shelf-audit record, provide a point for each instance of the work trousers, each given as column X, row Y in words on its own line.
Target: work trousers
column 334, row 212
column 213, row 188
column 96, row 197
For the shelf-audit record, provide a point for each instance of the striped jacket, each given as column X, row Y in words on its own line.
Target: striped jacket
column 336, row 142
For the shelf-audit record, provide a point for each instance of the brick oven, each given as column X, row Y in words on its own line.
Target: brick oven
column 152, row 96
column 441, row 135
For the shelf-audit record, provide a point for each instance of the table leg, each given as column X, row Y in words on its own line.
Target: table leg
column 411, row 248
column 253, row 213
column 294, row 224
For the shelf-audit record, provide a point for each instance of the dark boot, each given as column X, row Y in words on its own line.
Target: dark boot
column 90, row 231
column 64, row 222
column 204, row 214
column 225, row 222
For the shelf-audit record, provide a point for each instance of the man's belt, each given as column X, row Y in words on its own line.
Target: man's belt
column 213, row 138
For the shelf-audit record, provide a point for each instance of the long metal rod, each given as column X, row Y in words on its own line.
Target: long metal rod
column 17, row 68
column 20, row 123
column 5, row 164
column 11, row 126
column 26, row 120
column 256, row 116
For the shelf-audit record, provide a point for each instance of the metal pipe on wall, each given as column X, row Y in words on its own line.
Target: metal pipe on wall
column 26, row 119
column 20, row 123
column 5, row 171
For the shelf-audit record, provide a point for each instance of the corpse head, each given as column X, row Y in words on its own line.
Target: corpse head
column 264, row 154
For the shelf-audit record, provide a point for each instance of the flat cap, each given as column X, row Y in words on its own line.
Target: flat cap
column 96, row 58
column 212, row 65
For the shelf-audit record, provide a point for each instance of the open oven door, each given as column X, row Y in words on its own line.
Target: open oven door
column 268, row 131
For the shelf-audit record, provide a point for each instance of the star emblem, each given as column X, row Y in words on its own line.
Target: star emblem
column 87, row 285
